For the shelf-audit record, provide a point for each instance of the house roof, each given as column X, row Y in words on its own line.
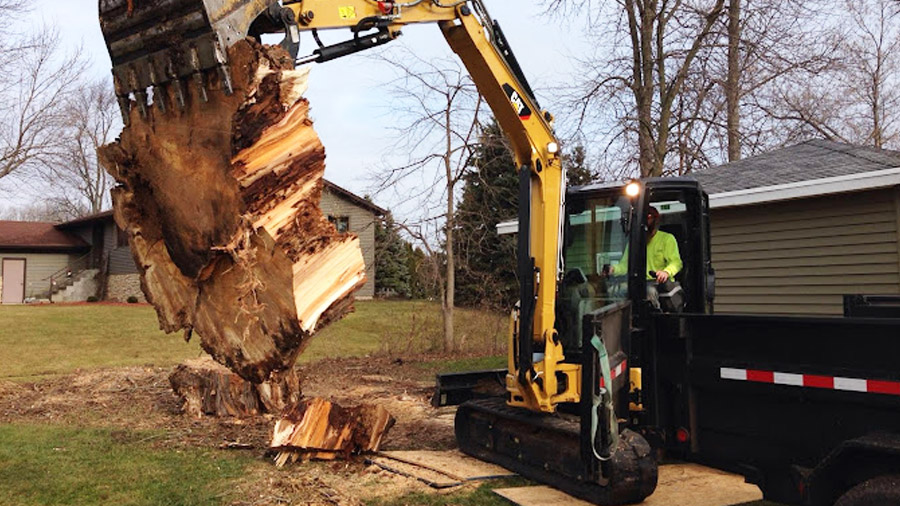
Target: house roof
column 356, row 199
column 85, row 220
column 812, row 168
column 28, row 235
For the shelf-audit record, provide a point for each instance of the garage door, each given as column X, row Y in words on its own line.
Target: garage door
column 13, row 272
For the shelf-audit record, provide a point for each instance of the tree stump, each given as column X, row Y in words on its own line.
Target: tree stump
column 220, row 204
column 209, row 388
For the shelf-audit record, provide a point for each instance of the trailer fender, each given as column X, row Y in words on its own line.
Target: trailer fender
column 853, row 462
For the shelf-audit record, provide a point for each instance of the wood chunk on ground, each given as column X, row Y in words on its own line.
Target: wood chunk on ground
column 220, row 205
column 208, row 388
column 320, row 429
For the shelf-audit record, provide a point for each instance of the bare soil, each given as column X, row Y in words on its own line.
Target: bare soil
column 140, row 399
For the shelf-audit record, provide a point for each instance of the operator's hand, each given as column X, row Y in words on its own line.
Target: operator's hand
column 662, row 276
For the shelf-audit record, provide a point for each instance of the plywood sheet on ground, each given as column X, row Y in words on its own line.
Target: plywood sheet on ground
column 454, row 464
column 678, row 484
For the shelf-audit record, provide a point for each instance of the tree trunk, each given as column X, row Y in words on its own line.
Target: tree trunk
column 450, row 285
column 208, row 388
column 733, row 82
column 220, row 203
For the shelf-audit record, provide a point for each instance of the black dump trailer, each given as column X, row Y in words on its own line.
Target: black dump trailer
column 807, row 408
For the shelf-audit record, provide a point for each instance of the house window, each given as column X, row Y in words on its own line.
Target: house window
column 341, row 223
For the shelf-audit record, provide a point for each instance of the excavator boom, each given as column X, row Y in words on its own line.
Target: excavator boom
column 179, row 48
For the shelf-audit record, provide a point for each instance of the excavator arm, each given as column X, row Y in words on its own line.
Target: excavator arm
column 182, row 44
column 173, row 46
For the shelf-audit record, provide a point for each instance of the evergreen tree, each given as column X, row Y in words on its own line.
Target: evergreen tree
column 577, row 171
column 487, row 262
column 392, row 274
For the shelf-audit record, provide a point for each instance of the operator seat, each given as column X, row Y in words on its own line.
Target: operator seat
column 576, row 298
column 679, row 230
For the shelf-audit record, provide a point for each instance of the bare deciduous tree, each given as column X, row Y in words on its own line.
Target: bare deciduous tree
column 73, row 171
column 438, row 109
column 38, row 80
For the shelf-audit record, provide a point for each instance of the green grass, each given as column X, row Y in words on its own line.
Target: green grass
column 54, row 339
column 401, row 328
column 39, row 341
column 50, row 465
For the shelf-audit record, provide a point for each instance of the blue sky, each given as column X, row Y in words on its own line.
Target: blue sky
column 349, row 97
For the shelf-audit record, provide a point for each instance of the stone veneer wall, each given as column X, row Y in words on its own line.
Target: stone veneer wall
column 121, row 286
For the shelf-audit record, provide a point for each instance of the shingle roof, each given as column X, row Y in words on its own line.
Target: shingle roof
column 806, row 161
column 21, row 235
column 86, row 220
column 356, row 199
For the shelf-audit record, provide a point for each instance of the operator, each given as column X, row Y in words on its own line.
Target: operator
column 663, row 257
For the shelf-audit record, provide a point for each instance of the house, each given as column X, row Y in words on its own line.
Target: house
column 352, row 213
column 795, row 229
column 90, row 256
column 34, row 256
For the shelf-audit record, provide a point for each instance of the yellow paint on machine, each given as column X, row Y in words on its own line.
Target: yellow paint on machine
column 347, row 12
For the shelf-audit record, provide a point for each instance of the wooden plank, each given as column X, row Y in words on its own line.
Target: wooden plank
column 679, row 484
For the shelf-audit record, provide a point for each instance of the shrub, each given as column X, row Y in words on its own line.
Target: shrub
column 132, row 299
column 92, row 299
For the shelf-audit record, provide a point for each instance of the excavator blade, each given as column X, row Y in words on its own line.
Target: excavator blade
column 548, row 449
column 161, row 44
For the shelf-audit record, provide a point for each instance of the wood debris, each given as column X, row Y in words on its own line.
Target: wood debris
column 220, row 205
column 320, row 429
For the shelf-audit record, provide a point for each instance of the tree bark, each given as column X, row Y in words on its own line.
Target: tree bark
column 220, row 204
column 450, row 286
column 209, row 388
column 733, row 82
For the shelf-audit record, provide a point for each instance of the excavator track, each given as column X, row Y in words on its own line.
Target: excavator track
column 547, row 449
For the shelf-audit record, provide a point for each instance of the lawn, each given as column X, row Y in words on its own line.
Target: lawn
column 51, row 465
column 38, row 341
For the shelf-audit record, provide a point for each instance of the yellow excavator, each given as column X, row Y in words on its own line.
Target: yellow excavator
column 557, row 423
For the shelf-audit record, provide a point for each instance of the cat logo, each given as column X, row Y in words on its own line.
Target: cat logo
column 517, row 102
column 347, row 12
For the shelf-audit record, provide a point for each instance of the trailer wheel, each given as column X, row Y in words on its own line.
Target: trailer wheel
column 880, row 491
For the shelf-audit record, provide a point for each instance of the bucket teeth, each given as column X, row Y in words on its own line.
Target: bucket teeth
column 159, row 93
column 170, row 46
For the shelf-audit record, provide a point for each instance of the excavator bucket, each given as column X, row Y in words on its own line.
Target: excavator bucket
column 155, row 44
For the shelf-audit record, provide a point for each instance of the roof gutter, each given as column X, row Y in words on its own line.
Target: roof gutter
column 810, row 188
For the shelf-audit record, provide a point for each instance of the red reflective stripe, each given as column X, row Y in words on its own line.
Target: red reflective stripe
column 761, row 376
column 884, row 387
column 810, row 380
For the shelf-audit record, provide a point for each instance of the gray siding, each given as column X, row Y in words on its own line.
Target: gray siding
column 38, row 269
column 362, row 223
column 121, row 261
column 800, row 257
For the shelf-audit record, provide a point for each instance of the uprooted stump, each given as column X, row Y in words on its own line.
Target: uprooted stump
column 319, row 429
column 208, row 388
column 220, row 204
